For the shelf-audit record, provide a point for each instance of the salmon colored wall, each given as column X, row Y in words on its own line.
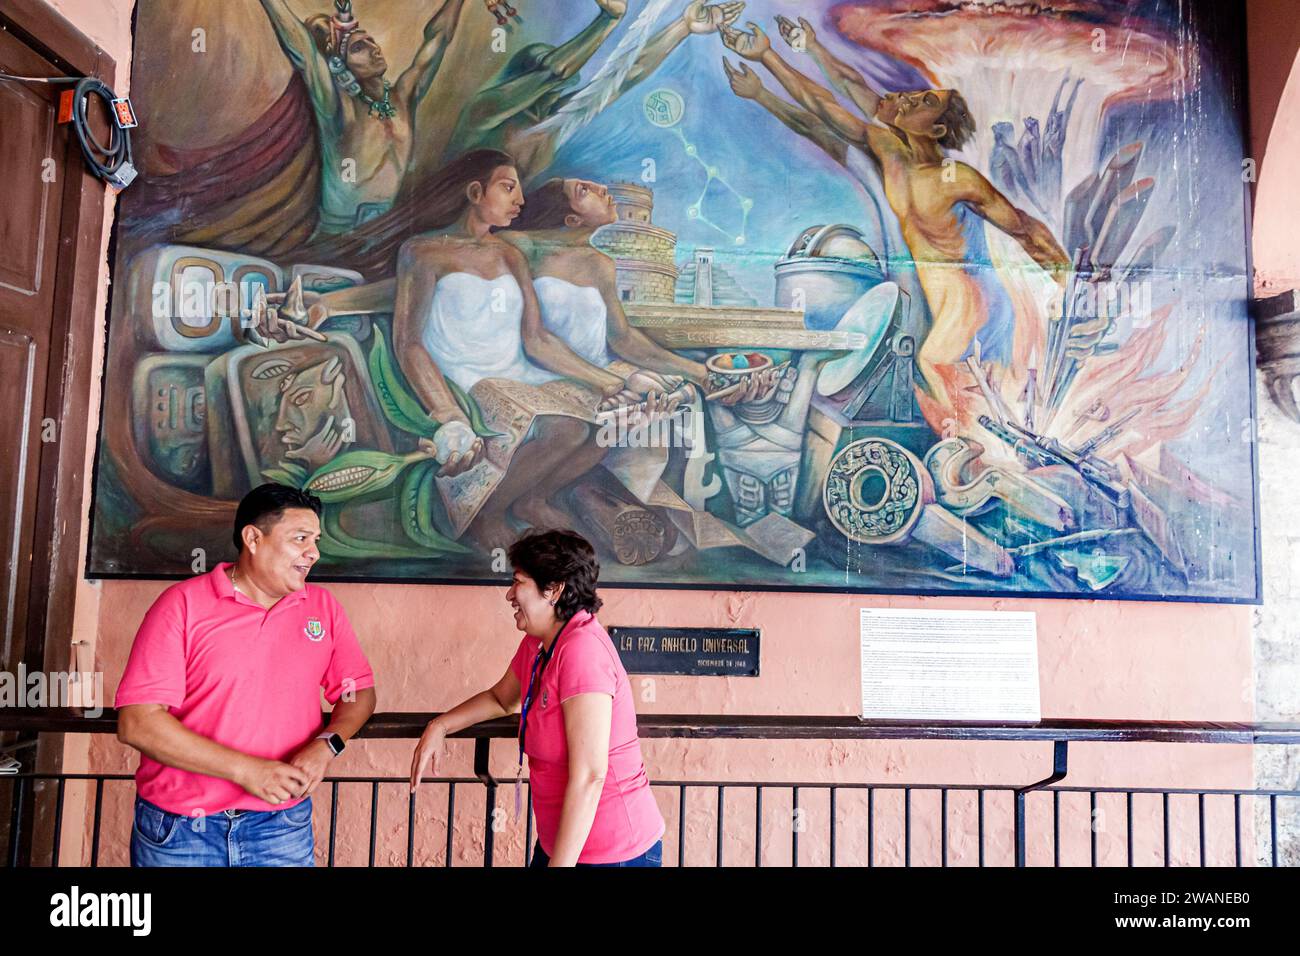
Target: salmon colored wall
column 432, row 646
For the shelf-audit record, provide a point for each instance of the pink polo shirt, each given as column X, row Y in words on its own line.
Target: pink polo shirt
column 627, row 819
column 238, row 674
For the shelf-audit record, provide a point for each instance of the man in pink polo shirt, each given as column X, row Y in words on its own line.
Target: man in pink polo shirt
column 221, row 696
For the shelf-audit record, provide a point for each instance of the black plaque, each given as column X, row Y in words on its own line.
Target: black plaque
column 698, row 651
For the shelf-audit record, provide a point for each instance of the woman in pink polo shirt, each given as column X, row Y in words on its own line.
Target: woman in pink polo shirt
column 578, row 727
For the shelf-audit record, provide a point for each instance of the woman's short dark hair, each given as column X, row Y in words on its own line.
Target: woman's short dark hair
column 265, row 504
column 560, row 557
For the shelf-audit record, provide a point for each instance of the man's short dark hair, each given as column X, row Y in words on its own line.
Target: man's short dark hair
column 266, row 504
column 560, row 557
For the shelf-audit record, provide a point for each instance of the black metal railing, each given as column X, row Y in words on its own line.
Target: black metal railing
column 858, row 822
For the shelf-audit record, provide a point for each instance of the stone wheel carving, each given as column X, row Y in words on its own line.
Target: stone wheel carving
column 874, row 491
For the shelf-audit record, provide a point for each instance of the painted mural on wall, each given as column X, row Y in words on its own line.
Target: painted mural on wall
column 898, row 295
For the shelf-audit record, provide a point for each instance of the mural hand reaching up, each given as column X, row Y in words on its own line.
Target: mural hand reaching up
column 750, row 45
column 800, row 36
column 745, row 83
column 711, row 18
column 615, row 8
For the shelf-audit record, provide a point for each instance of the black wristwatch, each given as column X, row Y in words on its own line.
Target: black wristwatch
column 334, row 741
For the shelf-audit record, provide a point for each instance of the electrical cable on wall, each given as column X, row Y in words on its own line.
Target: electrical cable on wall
column 113, row 161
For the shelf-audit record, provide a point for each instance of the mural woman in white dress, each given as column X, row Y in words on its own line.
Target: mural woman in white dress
column 575, row 282
column 464, row 309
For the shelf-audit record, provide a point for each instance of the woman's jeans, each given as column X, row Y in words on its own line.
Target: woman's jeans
column 651, row 857
column 225, row 838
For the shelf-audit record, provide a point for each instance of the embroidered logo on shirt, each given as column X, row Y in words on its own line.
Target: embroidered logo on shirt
column 544, row 696
column 314, row 630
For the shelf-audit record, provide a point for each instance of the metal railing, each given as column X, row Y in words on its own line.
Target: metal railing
column 882, row 819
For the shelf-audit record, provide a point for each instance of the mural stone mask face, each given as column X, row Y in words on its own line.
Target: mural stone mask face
column 309, row 398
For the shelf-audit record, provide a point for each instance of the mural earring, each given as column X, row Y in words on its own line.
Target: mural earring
column 503, row 11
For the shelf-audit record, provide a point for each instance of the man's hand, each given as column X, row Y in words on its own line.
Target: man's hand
column 312, row 760
column 700, row 18
column 427, row 752
column 750, row 45
column 745, row 83
column 273, row 781
column 615, row 8
column 800, row 36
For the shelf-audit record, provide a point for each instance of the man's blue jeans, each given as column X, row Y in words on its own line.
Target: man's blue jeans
column 651, row 857
column 226, row 838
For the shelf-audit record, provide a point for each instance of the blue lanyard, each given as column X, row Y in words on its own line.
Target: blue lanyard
column 539, row 664
column 541, row 659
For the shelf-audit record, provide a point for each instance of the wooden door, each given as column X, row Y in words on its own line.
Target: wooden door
column 34, row 165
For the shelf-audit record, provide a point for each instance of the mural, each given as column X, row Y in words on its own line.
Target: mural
column 898, row 295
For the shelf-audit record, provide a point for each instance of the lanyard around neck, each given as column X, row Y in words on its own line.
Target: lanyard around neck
column 543, row 657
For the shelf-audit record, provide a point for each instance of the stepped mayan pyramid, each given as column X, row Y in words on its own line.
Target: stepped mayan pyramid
column 703, row 281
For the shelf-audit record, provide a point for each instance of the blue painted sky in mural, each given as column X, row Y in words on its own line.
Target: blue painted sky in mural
column 793, row 184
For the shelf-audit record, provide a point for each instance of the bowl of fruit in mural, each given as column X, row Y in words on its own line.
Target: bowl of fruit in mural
column 748, row 382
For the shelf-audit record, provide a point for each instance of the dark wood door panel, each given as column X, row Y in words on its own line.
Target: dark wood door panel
column 49, row 281
column 36, row 167
column 26, row 168
column 33, row 151
column 17, row 380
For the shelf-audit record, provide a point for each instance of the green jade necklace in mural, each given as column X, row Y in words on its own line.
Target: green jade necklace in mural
column 381, row 110
column 342, row 26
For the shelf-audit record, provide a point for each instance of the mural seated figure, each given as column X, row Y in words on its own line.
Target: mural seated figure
column 466, row 318
column 575, row 283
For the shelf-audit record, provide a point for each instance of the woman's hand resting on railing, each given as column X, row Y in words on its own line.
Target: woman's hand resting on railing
column 427, row 751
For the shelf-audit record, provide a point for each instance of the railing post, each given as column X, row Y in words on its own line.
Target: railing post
column 482, row 750
column 1058, row 772
column 16, row 823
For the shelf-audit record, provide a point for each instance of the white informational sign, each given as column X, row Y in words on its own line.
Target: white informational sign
column 949, row 665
